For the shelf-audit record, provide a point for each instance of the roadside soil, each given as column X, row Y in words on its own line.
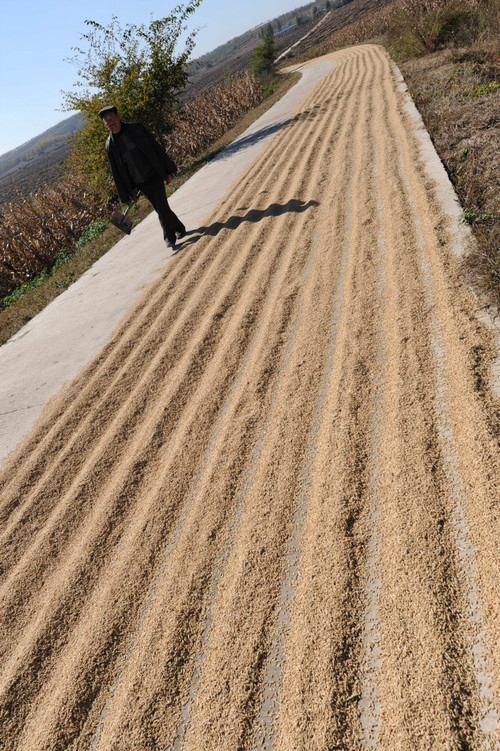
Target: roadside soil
column 266, row 514
column 457, row 92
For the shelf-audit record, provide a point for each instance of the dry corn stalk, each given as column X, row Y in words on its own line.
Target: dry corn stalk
column 203, row 121
column 34, row 228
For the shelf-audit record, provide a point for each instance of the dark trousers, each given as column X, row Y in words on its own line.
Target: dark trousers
column 154, row 190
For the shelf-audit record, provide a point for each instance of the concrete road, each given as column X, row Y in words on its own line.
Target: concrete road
column 51, row 348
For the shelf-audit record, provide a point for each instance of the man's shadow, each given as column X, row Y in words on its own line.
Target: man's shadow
column 253, row 215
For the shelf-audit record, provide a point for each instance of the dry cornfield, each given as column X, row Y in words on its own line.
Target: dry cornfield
column 203, row 121
column 35, row 228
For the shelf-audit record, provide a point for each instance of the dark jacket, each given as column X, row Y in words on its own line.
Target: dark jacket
column 149, row 146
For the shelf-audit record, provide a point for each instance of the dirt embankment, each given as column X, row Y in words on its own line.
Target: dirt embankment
column 265, row 516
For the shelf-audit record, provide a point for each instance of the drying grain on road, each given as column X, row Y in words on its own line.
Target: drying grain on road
column 266, row 515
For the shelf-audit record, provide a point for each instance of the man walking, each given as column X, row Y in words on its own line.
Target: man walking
column 139, row 162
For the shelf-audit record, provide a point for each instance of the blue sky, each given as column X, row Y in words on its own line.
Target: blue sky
column 37, row 35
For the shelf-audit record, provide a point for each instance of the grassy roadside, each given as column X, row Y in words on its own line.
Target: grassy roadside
column 457, row 92
column 47, row 287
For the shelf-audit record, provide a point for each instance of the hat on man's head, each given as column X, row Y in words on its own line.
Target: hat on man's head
column 108, row 108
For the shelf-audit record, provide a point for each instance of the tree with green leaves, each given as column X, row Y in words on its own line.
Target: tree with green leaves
column 136, row 68
column 263, row 58
column 267, row 31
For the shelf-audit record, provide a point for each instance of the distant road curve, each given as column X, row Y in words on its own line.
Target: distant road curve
column 299, row 41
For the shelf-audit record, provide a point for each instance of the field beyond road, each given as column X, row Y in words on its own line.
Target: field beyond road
column 266, row 514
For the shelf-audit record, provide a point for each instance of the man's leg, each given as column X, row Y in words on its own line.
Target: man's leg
column 154, row 190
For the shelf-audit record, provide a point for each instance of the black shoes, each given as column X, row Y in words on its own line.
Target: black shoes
column 181, row 233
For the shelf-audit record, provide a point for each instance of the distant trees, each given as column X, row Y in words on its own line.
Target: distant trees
column 263, row 58
column 267, row 31
column 138, row 69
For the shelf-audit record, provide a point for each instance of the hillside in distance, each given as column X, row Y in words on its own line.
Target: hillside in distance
column 235, row 55
column 297, row 40
column 38, row 161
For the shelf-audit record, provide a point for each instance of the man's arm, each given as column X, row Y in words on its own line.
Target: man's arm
column 124, row 191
